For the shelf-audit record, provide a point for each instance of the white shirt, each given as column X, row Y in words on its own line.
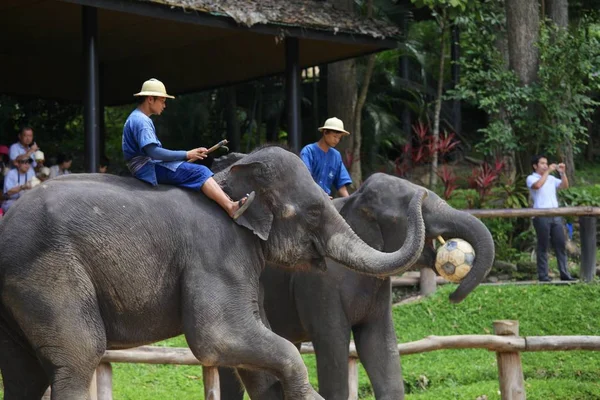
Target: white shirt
column 56, row 171
column 15, row 178
column 544, row 197
column 16, row 149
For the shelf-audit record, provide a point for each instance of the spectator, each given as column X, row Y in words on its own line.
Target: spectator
column 25, row 145
column 150, row 162
column 104, row 164
column 44, row 174
column 63, row 163
column 324, row 162
column 542, row 187
column 4, row 161
column 39, row 159
column 17, row 180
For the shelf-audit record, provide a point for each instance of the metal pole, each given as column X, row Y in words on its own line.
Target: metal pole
column 292, row 85
column 587, row 233
column 91, row 98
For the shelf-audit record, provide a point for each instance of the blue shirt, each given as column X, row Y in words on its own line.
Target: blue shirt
column 326, row 168
column 139, row 132
column 12, row 179
column 544, row 197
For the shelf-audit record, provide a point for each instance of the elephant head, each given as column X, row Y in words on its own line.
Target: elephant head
column 298, row 223
column 377, row 212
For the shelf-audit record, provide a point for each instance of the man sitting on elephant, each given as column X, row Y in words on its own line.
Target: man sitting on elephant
column 150, row 162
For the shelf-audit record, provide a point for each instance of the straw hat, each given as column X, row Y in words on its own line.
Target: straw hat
column 334, row 124
column 38, row 155
column 154, row 87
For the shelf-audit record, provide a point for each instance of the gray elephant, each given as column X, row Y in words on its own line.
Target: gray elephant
column 326, row 308
column 93, row 262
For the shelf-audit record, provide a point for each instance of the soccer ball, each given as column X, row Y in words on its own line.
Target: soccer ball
column 454, row 260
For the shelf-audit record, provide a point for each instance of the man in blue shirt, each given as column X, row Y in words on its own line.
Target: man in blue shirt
column 542, row 187
column 150, row 162
column 324, row 162
column 17, row 180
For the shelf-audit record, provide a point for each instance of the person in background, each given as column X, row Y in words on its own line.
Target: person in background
column 63, row 163
column 148, row 161
column 324, row 162
column 44, row 174
column 104, row 164
column 4, row 163
column 17, row 180
column 39, row 159
column 549, row 230
column 25, row 145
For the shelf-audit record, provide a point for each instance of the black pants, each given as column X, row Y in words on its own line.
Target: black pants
column 550, row 229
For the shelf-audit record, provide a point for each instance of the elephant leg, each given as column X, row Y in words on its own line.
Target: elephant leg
column 230, row 333
column 377, row 349
column 64, row 327
column 231, row 387
column 22, row 374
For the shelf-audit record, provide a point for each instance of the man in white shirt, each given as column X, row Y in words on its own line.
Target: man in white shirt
column 542, row 187
column 25, row 145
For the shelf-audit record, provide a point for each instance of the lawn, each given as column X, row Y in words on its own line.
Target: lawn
column 446, row 374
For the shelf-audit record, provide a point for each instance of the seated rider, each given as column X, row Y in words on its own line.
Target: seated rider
column 150, row 162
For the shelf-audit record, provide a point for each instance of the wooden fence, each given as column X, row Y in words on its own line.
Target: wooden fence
column 506, row 343
column 587, row 222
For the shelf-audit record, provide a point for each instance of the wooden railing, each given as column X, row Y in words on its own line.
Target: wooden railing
column 506, row 343
column 428, row 281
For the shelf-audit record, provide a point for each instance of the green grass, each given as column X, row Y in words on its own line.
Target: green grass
column 445, row 374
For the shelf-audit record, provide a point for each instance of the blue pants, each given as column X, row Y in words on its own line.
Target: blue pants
column 187, row 175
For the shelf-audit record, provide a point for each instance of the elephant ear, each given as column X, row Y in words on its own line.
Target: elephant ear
column 258, row 218
column 245, row 177
column 359, row 214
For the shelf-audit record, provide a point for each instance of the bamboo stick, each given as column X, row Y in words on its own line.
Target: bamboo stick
column 352, row 378
column 212, row 389
column 533, row 212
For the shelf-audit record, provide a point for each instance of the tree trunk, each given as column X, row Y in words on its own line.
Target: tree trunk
column 233, row 125
column 341, row 90
column 523, row 25
column 558, row 12
column 438, row 103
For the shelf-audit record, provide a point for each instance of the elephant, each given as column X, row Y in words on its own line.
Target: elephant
column 326, row 307
column 90, row 262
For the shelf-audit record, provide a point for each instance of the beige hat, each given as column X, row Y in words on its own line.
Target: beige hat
column 154, row 87
column 45, row 171
column 38, row 155
column 334, row 124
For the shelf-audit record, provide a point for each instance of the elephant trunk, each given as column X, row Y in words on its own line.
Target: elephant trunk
column 465, row 226
column 344, row 246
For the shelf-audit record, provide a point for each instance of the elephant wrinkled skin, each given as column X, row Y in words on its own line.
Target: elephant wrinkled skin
column 326, row 308
column 93, row 262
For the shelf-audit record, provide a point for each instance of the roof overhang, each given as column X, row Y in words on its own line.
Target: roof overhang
column 41, row 48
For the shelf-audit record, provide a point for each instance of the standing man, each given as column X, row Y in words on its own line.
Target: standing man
column 324, row 162
column 25, row 145
column 542, row 187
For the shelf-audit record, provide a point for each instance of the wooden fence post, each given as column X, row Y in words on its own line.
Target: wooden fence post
column 104, row 381
column 587, row 236
column 93, row 393
column 427, row 284
column 212, row 389
column 510, row 371
column 352, row 378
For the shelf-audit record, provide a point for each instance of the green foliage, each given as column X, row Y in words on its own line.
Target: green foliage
column 541, row 115
column 580, row 196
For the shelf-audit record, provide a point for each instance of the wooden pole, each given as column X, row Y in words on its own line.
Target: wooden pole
column 212, row 389
column 510, row 371
column 104, row 381
column 534, row 212
column 587, row 234
column 352, row 378
column 93, row 388
column 427, row 281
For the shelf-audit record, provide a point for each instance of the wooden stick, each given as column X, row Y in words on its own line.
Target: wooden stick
column 534, row 212
column 216, row 146
column 212, row 389
column 441, row 239
column 352, row 378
